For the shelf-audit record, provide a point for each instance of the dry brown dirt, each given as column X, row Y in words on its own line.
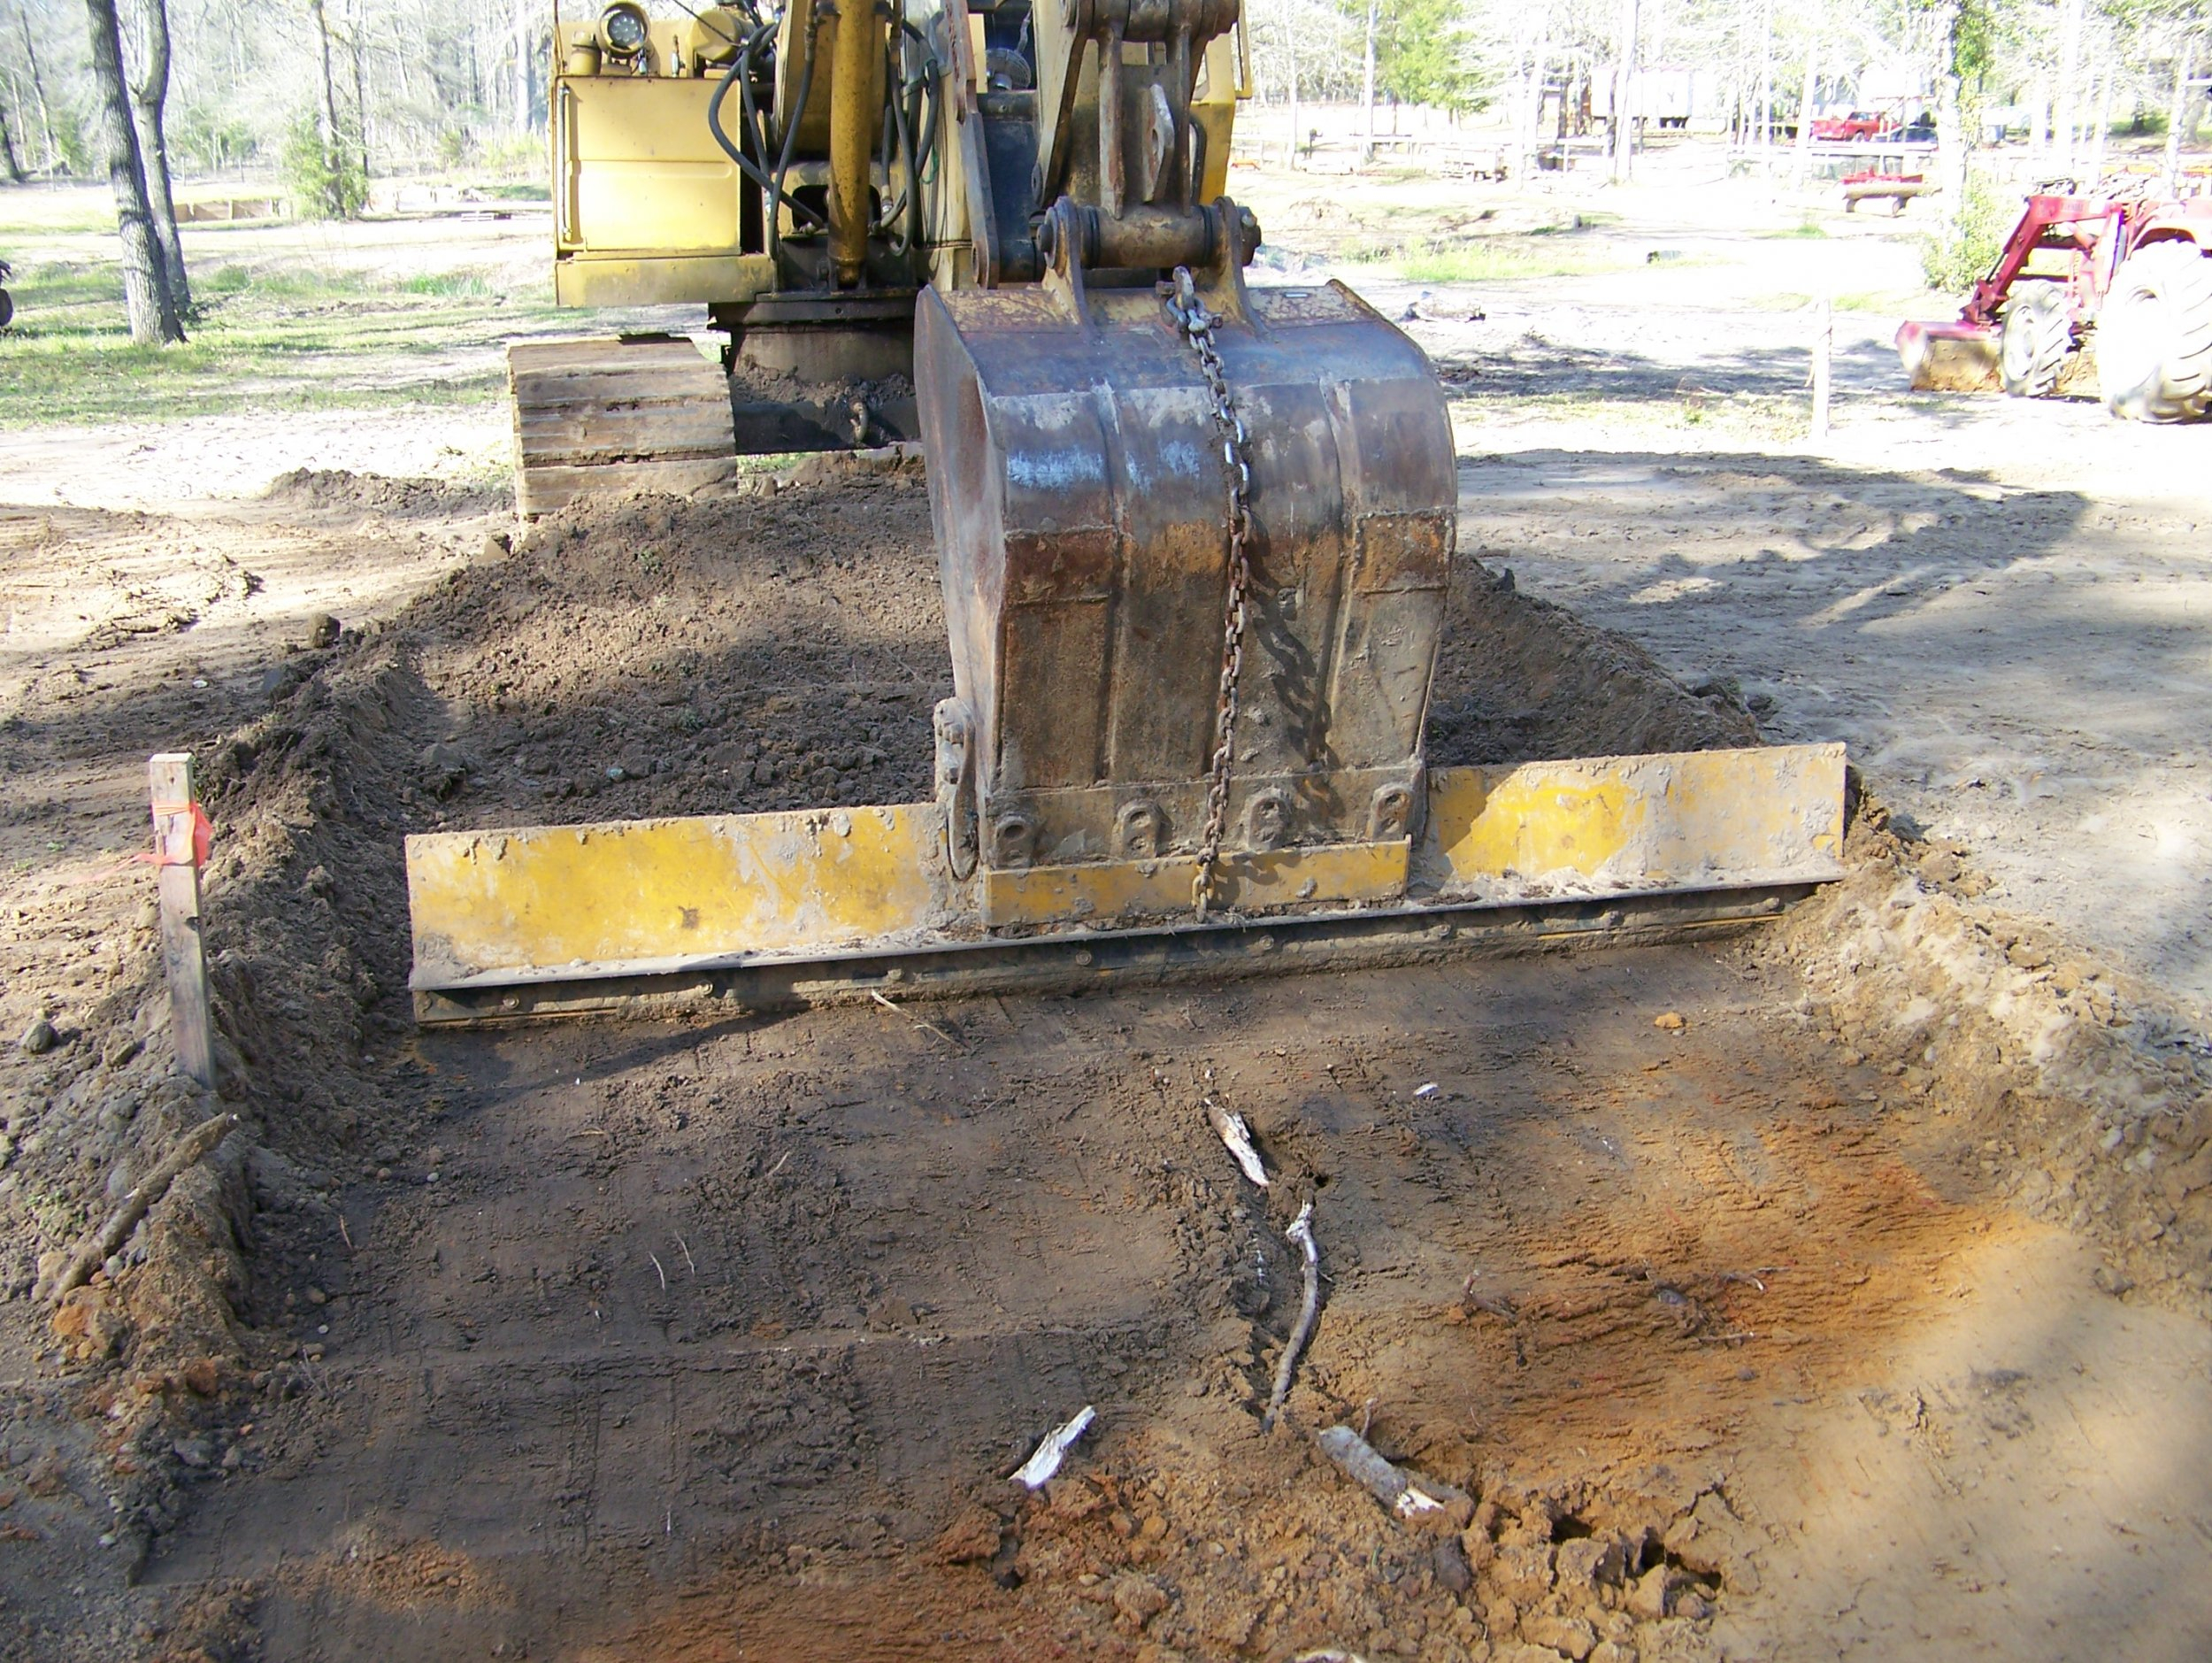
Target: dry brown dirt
column 1854, row 1311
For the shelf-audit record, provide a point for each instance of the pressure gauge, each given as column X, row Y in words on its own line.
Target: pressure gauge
column 622, row 29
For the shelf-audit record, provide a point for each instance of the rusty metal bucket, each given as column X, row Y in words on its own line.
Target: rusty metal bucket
column 1948, row 358
column 1077, row 487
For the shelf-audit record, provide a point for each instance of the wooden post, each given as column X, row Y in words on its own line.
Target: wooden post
column 180, row 846
column 1824, row 344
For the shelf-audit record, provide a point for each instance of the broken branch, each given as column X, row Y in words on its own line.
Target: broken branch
column 1301, row 1232
column 194, row 1146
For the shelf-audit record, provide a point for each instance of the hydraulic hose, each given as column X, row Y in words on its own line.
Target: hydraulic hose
column 791, row 131
column 745, row 163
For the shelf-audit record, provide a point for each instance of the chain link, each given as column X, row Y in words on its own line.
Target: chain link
column 1197, row 327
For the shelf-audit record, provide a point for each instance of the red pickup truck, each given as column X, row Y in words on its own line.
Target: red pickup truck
column 1860, row 124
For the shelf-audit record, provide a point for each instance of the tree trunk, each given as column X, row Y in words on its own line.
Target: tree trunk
column 1367, row 93
column 2069, row 73
column 360, row 85
column 1624, row 83
column 147, row 301
column 329, row 116
column 7, row 149
column 38, row 89
column 524, row 14
column 2184, row 68
column 1805, row 116
column 1766, row 83
column 1951, row 150
column 1290, row 40
column 1532, row 132
column 2101, row 111
column 149, row 98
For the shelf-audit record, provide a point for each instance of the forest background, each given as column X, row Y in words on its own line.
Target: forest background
column 321, row 97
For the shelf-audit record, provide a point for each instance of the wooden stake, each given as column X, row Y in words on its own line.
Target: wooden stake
column 1824, row 346
column 178, row 847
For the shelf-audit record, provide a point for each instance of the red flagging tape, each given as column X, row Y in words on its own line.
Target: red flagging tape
column 203, row 834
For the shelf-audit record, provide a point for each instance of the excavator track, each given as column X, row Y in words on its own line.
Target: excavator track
column 613, row 417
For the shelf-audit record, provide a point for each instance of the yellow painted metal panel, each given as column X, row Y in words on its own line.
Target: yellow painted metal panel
column 668, row 892
column 637, row 168
column 1636, row 824
column 1153, row 890
column 633, row 898
column 591, row 280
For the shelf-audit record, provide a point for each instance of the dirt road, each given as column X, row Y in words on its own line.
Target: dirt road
column 1834, row 1292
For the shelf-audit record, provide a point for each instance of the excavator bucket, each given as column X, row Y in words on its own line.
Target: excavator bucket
column 1082, row 514
column 1165, row 518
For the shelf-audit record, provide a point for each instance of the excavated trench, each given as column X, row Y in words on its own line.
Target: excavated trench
column 719, row 1338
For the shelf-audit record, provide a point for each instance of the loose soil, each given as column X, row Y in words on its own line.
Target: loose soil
column 1837, row 1290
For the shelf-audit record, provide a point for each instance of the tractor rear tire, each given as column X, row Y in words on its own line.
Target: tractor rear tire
column 2154, row 338
column 7, row 309
column 2038, row 335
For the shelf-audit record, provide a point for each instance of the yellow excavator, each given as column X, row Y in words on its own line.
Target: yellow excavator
column 1194, row 540
column 802, row 176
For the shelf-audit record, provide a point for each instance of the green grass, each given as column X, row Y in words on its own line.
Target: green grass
column 446, row 285
column 54, row 209
column 292, row 338
column 1809, row 227
column 1495, row 260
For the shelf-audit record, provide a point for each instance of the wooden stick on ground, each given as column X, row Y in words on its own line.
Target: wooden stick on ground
column 194, row 1146
column 1823, row 350
column 179, row 844
column 1301, row 1232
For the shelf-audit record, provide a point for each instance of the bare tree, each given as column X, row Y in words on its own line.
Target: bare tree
column 2185, row 68
column 1803, row 163
column 2065, row 121
column 524, row 18
column 7, row 148
column 360, row 84
column 38, row 86
column 1624, row 91
column 150, row 99
column 1367, row 82
column 148, row 302
column 328, row 115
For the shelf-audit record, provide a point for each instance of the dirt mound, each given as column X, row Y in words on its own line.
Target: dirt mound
column 747, row 653
column 1520, row 680
column 2088, row 1098
column 327, row 489
column 718, row 656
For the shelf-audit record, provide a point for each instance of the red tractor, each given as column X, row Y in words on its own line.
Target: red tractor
column 2115, row 287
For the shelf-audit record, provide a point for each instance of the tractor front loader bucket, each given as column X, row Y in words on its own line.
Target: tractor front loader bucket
column 1948, row 358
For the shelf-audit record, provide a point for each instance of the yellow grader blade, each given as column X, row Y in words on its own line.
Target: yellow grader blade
column 759, row 909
